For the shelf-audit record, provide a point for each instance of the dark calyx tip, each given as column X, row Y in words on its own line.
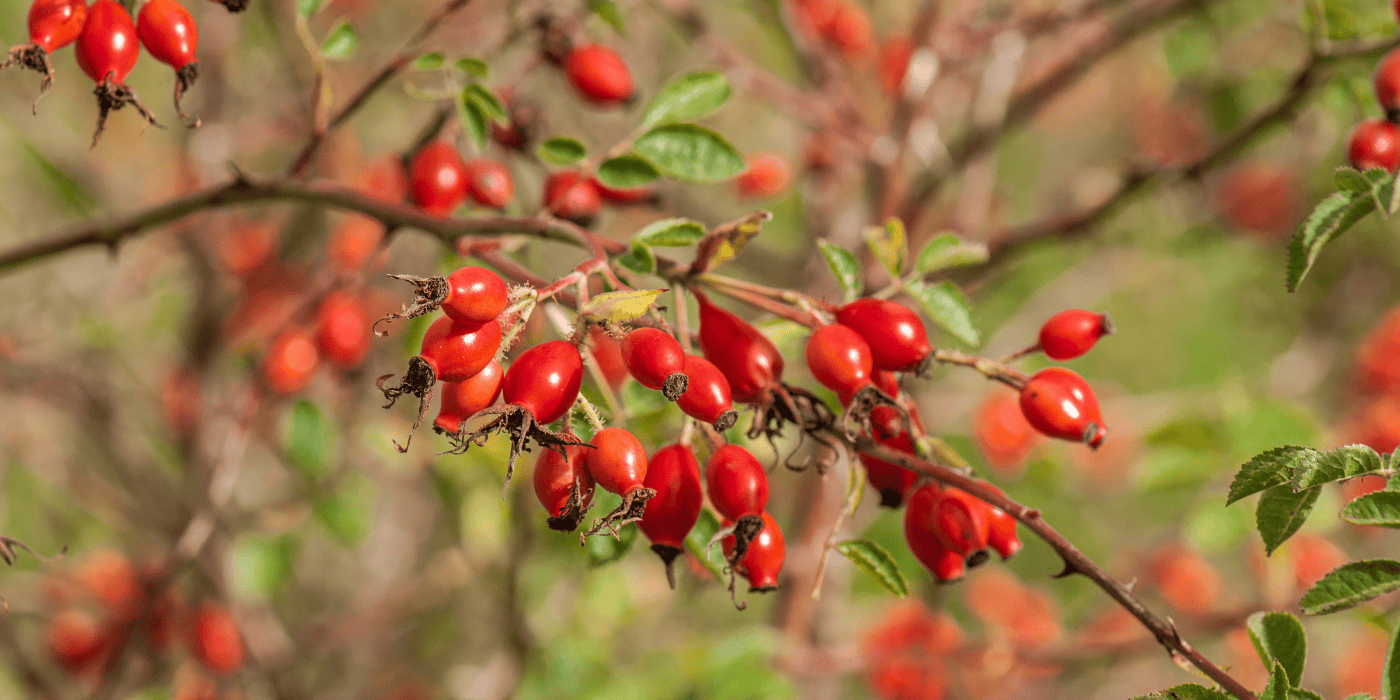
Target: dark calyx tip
column 1393, row 115
column 668, row 556
column 1094, row 435
column 1106, row 326
column 763, row 589
column 978, row 558
column 926, row 365
column 675, row 385
column 235, row 5
column 890, row 498
column 726, row 420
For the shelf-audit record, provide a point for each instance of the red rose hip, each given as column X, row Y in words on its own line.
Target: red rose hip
column 438, row 178
column 656, row 360
column 708, row 398
column 1374, row 143
column 1059, row 403
column 1073, row 332
column 896, row 336
column 599, row 74
column 563, row 486
column 675, row 475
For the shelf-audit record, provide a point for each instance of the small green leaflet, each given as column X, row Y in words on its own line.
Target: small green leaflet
column 844, row 266
column 1267, row 470
column 561, row 150
column 474, row 120
column 489, row 104
column 1378, row 508
column 947, row 250
column 665, row 233
column 1188, row 691
column 430, row 61
column 689, row 153
column 472, row 66
column 621, row 306
column 1278, row 686
column 1351, row 584
column 946, row 306
column 1358, row 195
column 1304, row 468
column 1281, row 512
column 877, row 563
column 1279, row 637
column 341, row 42
column 686, row 98
column 889, row 245
column 609, row 12
column 626, row 171
column 309, row 435
column 309, row 7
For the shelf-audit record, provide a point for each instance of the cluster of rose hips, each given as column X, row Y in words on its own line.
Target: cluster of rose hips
column 111, row 605
column 1375, row 143
column 107, row 47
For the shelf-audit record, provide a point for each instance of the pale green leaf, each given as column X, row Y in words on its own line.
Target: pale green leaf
column 946, row 306
column 690, row 153
column 626, row 171
column 341, row 42
column 1350, row 585
column 877, row 563
column 844, row 266
column 561, row 150
column 686, row 98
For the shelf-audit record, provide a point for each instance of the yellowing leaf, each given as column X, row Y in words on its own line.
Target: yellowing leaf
column 726, row 240
column 620, row 307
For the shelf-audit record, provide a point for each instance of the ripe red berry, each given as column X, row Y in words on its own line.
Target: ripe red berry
column 291, row 361
column 599, row 74
column 656, row 360
column 839, row 358
column 474, row 295
column 456, row 351
column 767, row 176
column 107, row 51
column 216, row 640
column 169, row 34
column 625, row 196
column 557, row 480
column 1387, row 81
column 895, row 334
column 850, row 30
column 885, row 420
column 354, row 242
column 1001, row 529
column 736, row 482
column 894, row 63
column 746, row 357
column 568, row 195
column 708, row 398
column 343, row 329
column 53, row 24
column 1059, row 403
column 247, row 246
column 438, row 178
column 1073, row 332
column 763, row 560
column 675, row 474
column 962, row 524
column 607, row 352
column 489, row 183
column 112, row 579
column 921, row 534
column 77, row 641
column 618, row 462
column 461, row 400
column 545, row 380
column 891, row 480
column 1374, row 143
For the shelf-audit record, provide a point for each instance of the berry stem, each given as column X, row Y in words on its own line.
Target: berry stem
column 990, row 369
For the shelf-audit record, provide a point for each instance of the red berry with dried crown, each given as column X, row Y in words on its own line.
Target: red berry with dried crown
column 1374, row 143
column 895, row 334
column 107, row 51
column 1073, row 332
column 1059, row 403
column 545, row 380
column 674, row 473
column 438, row 178
column 963, row 525
column 569, row 195
column 599, row 74
column 489, row 183
column 456, row 351
column 736, row 482
column 563, row 486
column 746, row 357
column 1001, row 529
column 53, row 24
column 763, row 560
column 169, row 34
column 462, row 400
column 656, row 360
column 1387, row 82
column 921, row 534
column 891, row 480
column 708, row 398
column 839, row 358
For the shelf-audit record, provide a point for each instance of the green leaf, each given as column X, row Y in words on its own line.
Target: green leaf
column 1267, row 470
column 1361, row 696
column 687, row 98
column 889, row 245
column 844, row 266
column 946, row 306
column 1281, row 512
column 641, row 260
column 472, row 66
column 261, row 564
column 1302, row 694
column 309, row 7
column 475, row 121
column 1334, row 465
column 1390, row 673
column 620, row 306
column 430, row 61
column 347, row 512
column 341, row 42
column 1279, row 637
column 695, row 542
column 1187, row 691
column 604, row 549
column 1278, row 686
column 626, row 171
column 609, row 12
column 561, row 150
column 1351, row 584
column 670, row 233
column 876, row 563
column 1378, row 508
column 1329, row 219
column 309, row 435
column 947, row 250
column 1349, row 179
column 488, row 102
column 690, row 153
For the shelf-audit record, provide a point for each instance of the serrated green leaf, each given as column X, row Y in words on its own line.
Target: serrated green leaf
column 1302, row 694
column 1278, row 686
column 1351, row 584
column 603, row 548
column 947, row 250
column 561, row 150
column 699, row 537
column 1187, row 691
column 844, row 266
column 1360, row 696
column 1268, row 469
column 309, row 7
column 1329, row 219
column 1378, row 508
column 946, row 306
column 341, row 42
column 1279, row 637
column 309, row 436
column 430, row 61
column 489, row 104
column 1390, row 672
column 475, row 121
column 641, row 260
column 473, row 67
column 1345, row 462
column 687, row 97
column 626, row 171
column 670, row 233
column 1281, row 512
column 619, row 307
column 1349, row 179
column 690, row 153
column 889, row 245
column 876, row 563
column 609, row 12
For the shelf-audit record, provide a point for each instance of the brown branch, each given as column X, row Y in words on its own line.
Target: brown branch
column 1076, row 562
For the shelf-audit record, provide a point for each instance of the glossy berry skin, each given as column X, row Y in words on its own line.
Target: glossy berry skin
column 457, row 351
column 763, row 560
column 653, row 357
column 675, row 474
column 545, row 380
column 921, row 534
column 767, row 176
column 839, row 358
column 1059, row 403
column 599, row 74
column 291, row 361
column 474, row 295
column 216, row 640
column 746, row 357
column 607, row 353
column 618, row 462
column 461, row 400
column 168, row 32
column 896, row 336
column 1374, row 143
column 708, row 397
column 884, row 419
column 736, row 482
column 489, row 183
column 54, row 24
column 555, row 476
column 1387, row 81
column 630, row 195
column 343, row 329
column 1073, row 332
column 891, row 480
column 568, row 195
column 438, row 178
column 962, row 524
column 1001, row 529
column 108, row 46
